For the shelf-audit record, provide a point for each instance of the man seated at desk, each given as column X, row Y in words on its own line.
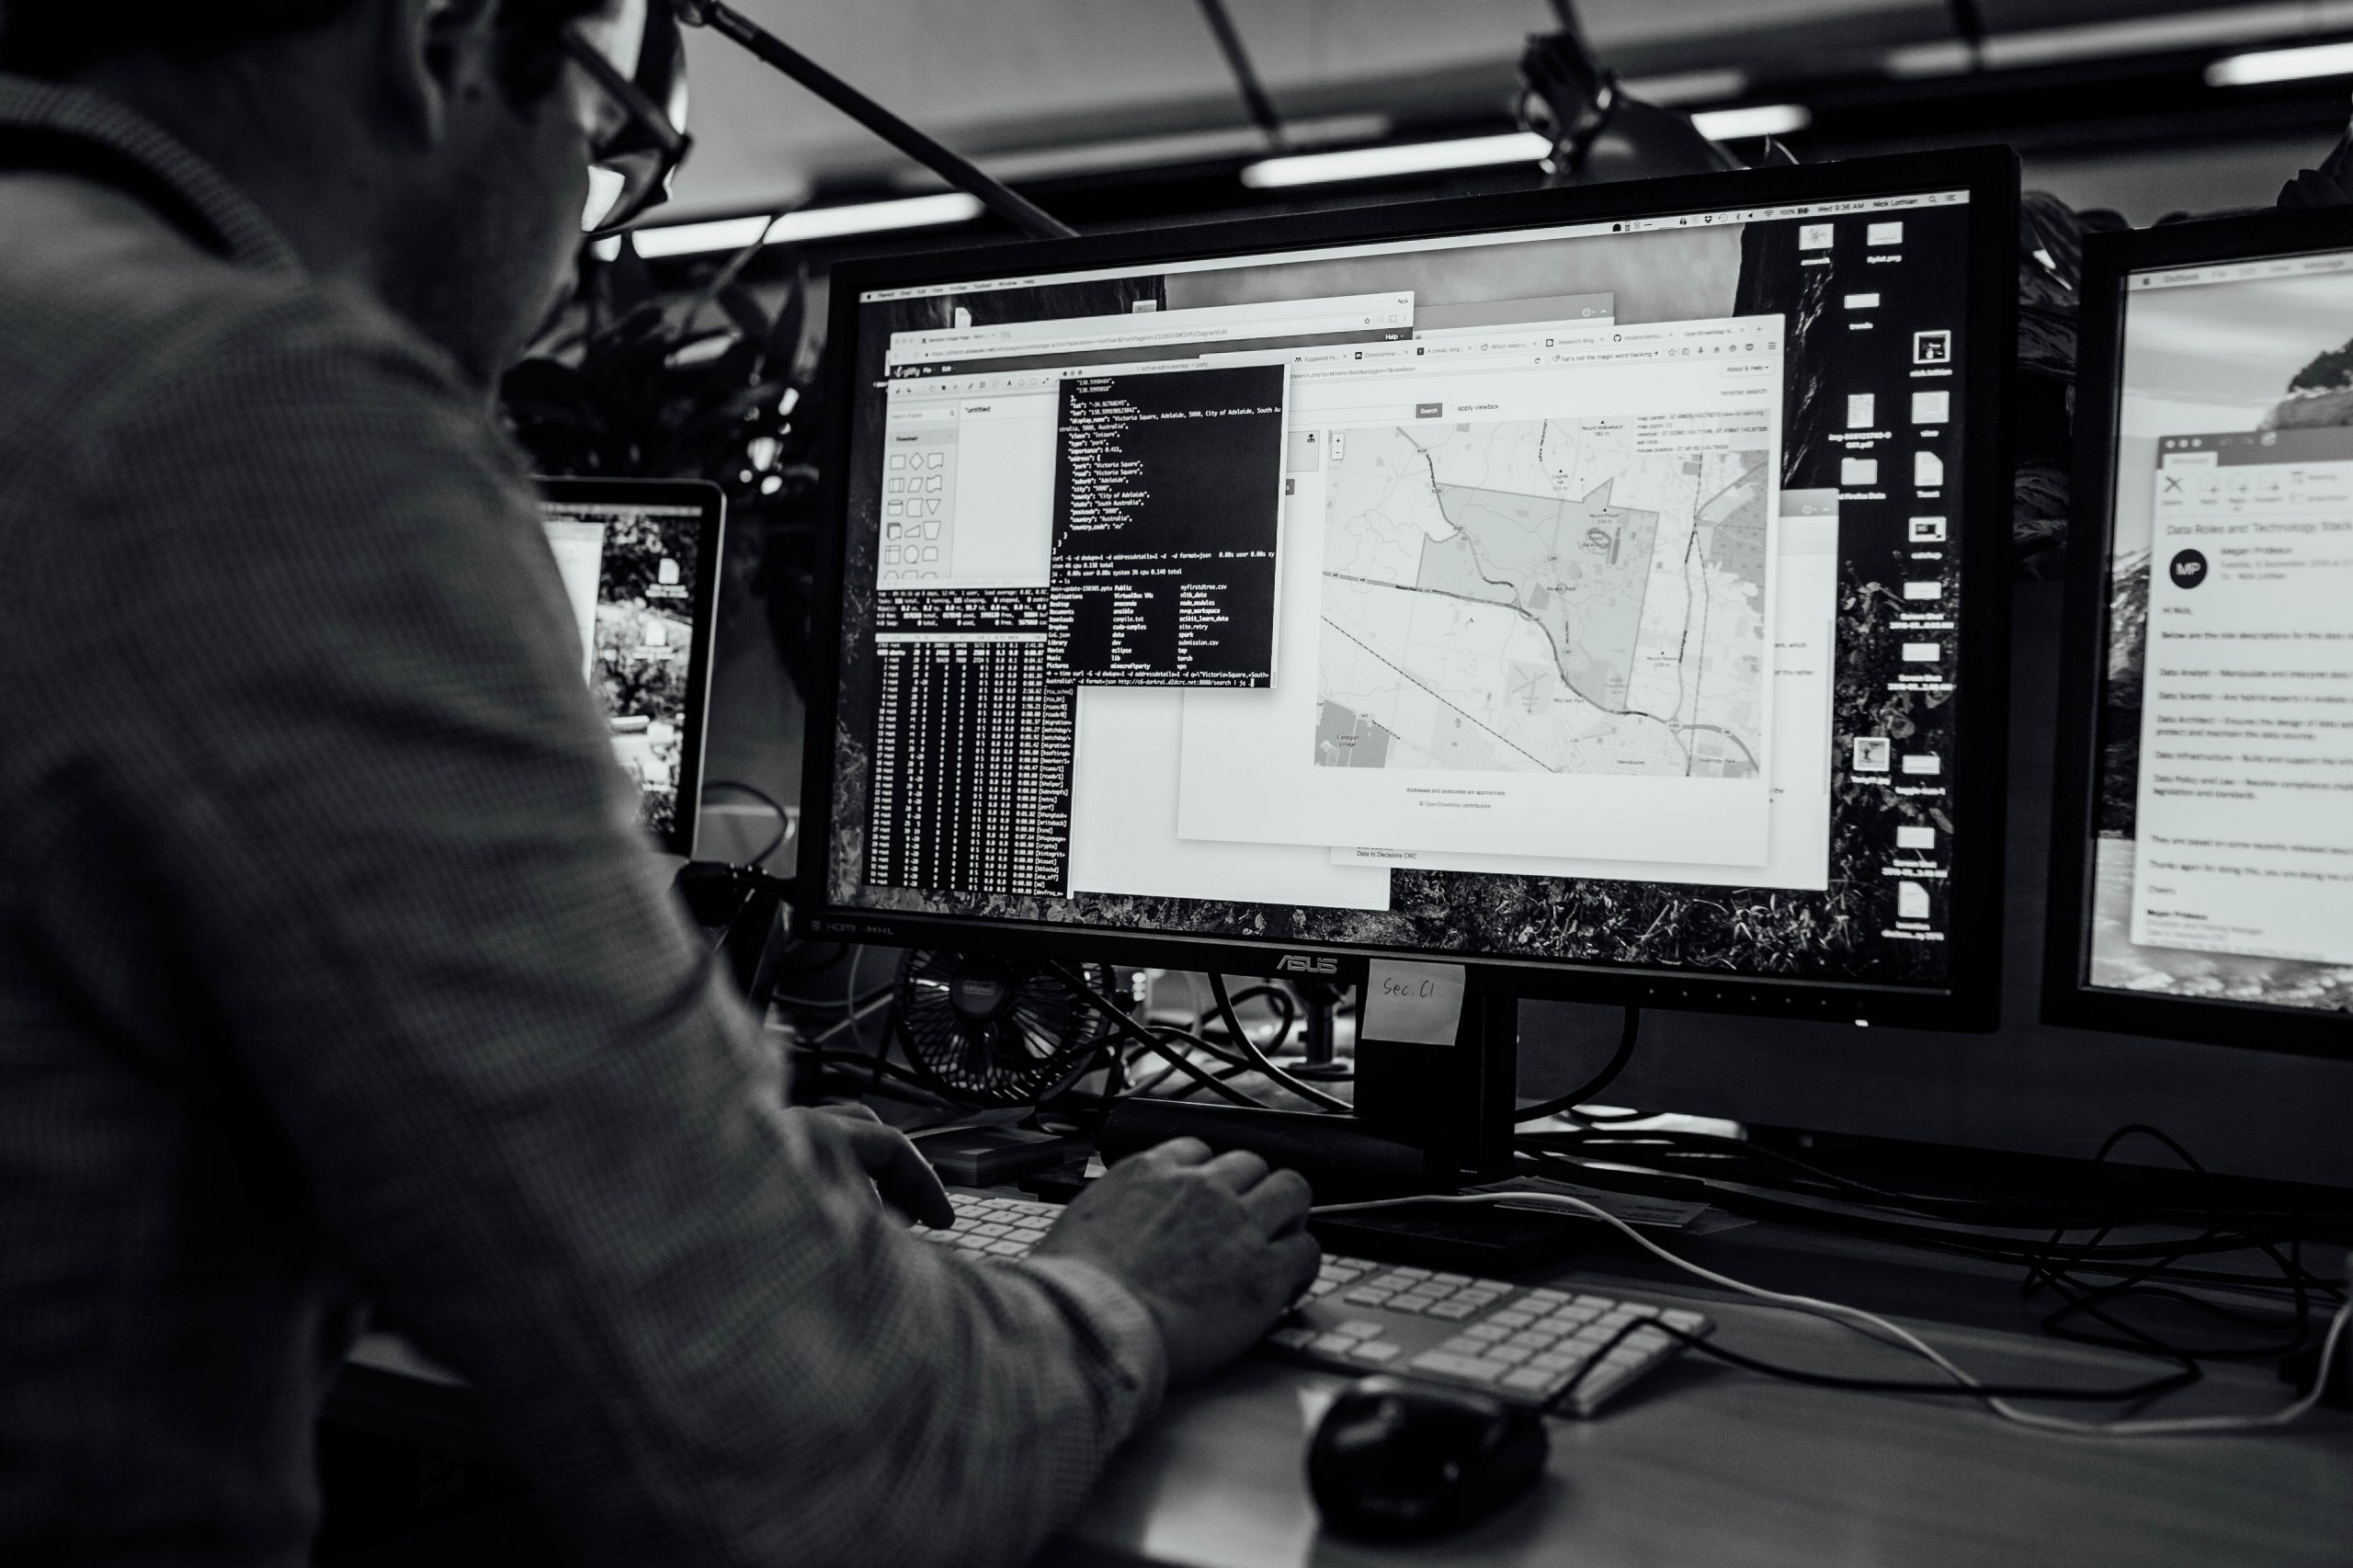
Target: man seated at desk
column 331, row 967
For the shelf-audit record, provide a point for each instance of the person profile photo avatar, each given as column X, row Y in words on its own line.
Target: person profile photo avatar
column 2188, row 569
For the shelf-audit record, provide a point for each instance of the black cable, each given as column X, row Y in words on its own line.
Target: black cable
column 2151, row 1388
column 783, row 817
column 1282, row 1000
column 1625, row 1331
column 1598, row 1082
column 1320, row 1098
column 1127, row 1026
column 2086, row 1300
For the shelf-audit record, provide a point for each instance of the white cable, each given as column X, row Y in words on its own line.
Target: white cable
column 1880, row 1328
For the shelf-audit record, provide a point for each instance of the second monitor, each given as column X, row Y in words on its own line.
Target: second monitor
column 1603, row 588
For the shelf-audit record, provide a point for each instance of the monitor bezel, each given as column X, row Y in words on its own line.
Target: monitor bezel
column 2068, row 998
column 710, row 541
column 1970, row 1001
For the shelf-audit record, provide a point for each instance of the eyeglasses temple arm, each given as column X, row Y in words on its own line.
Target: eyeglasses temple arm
column 950, row 167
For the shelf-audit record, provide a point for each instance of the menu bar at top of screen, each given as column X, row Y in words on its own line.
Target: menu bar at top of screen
column 1851, row 207
column 1152, row 329
column 2317, row 266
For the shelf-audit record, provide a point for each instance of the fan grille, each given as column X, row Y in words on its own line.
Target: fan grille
column 996, row 1032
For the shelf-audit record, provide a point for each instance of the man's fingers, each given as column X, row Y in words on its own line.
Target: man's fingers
column 1299, row 1256
column 1278, row 1205
column 900, row 1172
column 1237, row 1171
column 1176, row 1151
column 851, row 1112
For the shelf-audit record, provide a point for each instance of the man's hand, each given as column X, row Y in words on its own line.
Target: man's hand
column 899, row 1171
column 1214, row 1249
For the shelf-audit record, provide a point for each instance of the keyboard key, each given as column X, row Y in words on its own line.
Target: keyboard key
column 1533, row 1339
column 1333, row 1344
column 1488, row 1332
column 1378, row 1350
column 1511, row 1319
column 1413, row 1273
column 1452, row 1310
column 1366, row 1296
column 1451, row 1279
column 1409, row 1303
column 1463, row 1345
column 1293, row 1338
column 1360, row 1330
column 1546, row 1298
column 1690, row 1323
column 1032, row 1236
column 1601, row 1383
column 972, row 1243
column 1530, row 1379
column 1557, row 1362
column 1393, row 1281
column 1006, row 1248
column 1599, row 1303
column 1509, row 1354
column 1457, row 1366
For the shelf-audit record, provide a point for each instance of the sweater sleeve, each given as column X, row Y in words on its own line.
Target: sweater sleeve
column 340, row 722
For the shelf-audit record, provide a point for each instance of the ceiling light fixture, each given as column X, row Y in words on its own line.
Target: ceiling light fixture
column 1383, row 163
column 2281, row 65
column 809, row 224
column 1757, row 120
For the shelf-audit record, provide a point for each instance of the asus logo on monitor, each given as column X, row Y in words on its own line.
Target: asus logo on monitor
column 1301, row 963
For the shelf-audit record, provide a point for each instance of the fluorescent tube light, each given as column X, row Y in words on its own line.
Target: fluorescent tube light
column 809, row 224
column 2281, row 65
column 1758, row 119
column 1412, row 158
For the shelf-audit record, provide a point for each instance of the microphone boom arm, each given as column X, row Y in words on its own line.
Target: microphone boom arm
column 951, row 166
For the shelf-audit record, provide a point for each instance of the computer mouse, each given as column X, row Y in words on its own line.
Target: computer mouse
column 1395, row 1460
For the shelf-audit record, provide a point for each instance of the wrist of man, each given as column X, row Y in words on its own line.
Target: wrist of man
column 1122, row 1332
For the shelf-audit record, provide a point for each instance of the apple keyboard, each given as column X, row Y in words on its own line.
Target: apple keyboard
column 1570, row 1351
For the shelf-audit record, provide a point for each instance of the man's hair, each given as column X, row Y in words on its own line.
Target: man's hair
column 56, row 38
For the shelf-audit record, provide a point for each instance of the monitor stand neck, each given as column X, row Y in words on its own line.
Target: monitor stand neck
column 1322, row 1000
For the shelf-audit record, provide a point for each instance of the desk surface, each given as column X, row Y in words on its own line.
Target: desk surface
column 1704, row 1464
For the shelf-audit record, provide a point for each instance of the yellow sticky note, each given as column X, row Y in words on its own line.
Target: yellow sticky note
column 1414, row 1003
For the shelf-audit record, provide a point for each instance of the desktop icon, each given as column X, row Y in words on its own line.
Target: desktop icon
column 1932, row 347
column 1872, row 752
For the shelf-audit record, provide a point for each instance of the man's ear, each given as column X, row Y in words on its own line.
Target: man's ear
column 438, row 54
